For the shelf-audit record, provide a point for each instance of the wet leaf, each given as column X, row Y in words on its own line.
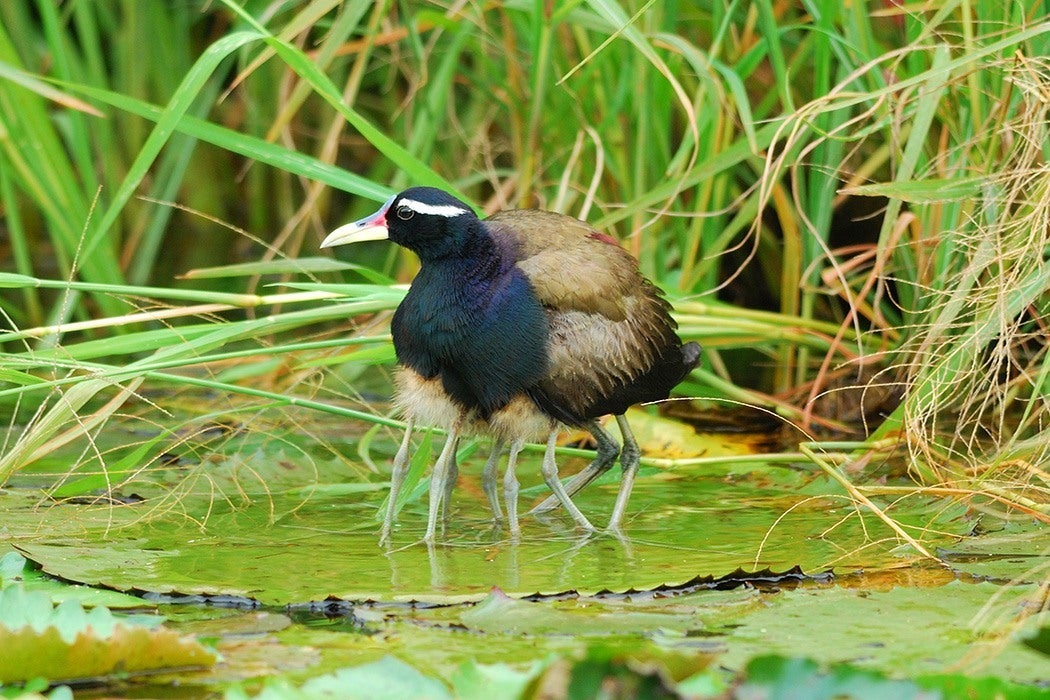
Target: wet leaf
column 66, row 643
column 260, row 657
column 909, row 630
column 1013, row 551
column 275, row 689
column 780, row 677
column 706, row 684
column 960, row 686
column 14, row 568
column 1040, row 641
column 499, row 613
column 474, row 681
column 386, row 679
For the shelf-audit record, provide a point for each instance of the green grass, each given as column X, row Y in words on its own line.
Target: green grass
column 841, row 200
column 734, row 148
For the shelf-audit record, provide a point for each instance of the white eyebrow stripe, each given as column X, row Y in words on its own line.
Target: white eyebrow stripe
column 446, row 210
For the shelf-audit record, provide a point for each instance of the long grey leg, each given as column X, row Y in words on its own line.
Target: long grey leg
column 438, row 479
column 629, row 467
column 489, row 478
column 397, row 478
column 450, row 484
column 510, row 488
column 550, row 475
column 607, row 452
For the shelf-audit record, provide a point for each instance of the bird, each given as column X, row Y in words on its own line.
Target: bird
column 515, row 326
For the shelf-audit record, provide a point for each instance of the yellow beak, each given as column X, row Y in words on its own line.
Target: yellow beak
column 371, row 228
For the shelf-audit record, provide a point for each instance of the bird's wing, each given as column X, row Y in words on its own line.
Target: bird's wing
column 608, row 324
column 569, row 265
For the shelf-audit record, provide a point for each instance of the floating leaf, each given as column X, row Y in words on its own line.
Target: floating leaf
column 777, row 676
column 14, row 569
column 1016, row 552
column 498, row 613
column 987, row 688
column 883, row 628
column 66, row 643
column 483, row 681
column 12, row 565
column 389, row 678
column 1040, row 641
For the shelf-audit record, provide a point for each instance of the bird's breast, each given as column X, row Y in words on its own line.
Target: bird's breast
column 437, row 323
column 484, row 336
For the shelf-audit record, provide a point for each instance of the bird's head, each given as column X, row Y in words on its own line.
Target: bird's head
column 428, row 221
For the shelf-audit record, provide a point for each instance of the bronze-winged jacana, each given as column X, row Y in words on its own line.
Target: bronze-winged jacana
column 514, row 326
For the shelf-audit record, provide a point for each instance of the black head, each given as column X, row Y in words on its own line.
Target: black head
column 428, row 221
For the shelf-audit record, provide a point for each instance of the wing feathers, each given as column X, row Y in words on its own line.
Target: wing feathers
column 608, row 324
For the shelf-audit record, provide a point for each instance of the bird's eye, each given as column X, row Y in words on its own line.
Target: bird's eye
column 404, row 213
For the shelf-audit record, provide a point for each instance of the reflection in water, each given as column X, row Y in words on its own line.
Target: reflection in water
column 460, row 568
column 588, row 552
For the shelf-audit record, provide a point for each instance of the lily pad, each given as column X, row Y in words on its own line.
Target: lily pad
column 911, row 630
column 1017, row 551
column 498, row 613
column 66, row 643
column 713, row 526
column 15, row 569
column 386, row 679
column 776, row 676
